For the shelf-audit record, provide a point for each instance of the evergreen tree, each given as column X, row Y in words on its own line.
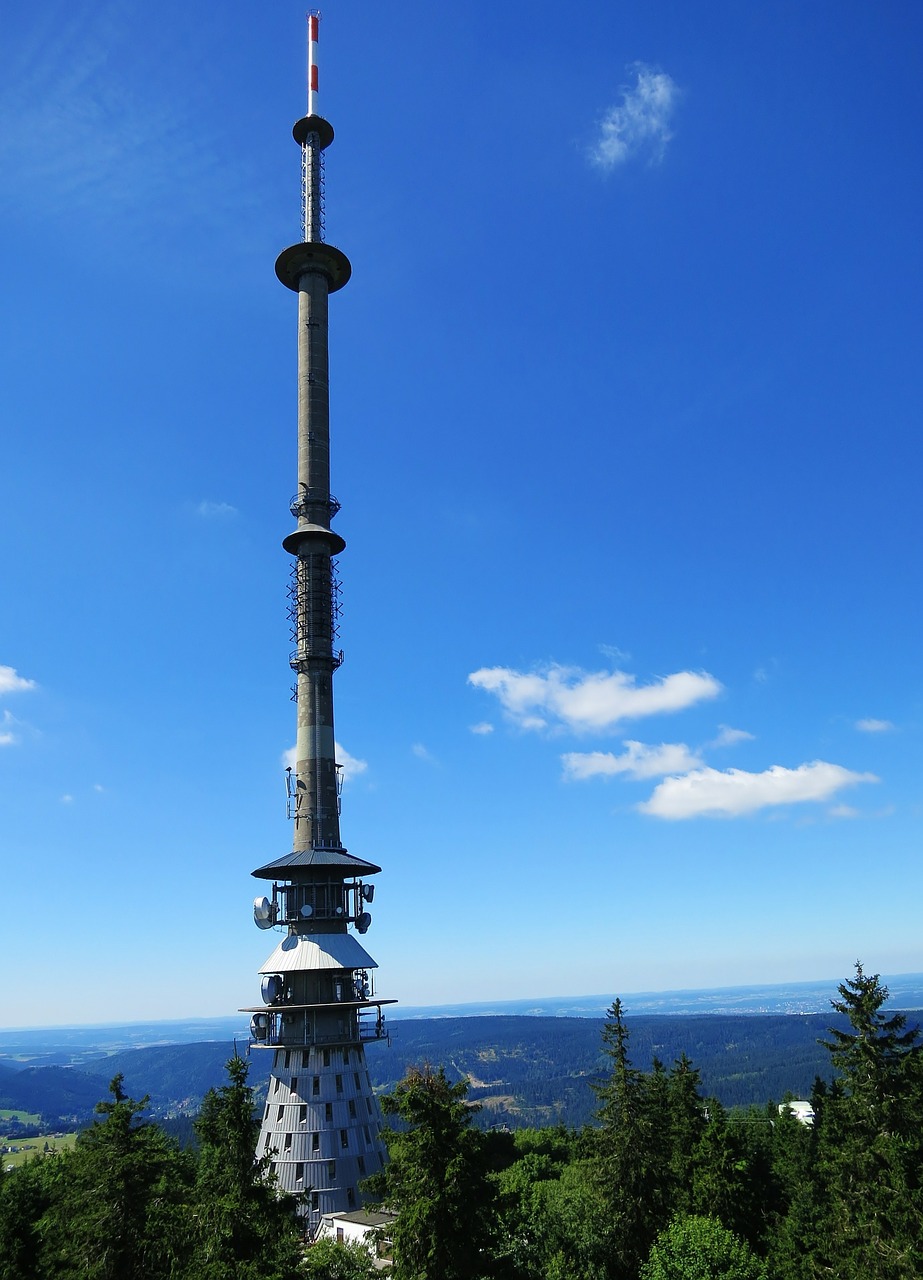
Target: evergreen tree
column 242, row 1226
column 436, row 1182
column 26, row 1196
column 628, row 1167
column 685, row 1116
column 872, row 1059
column 119, row 1211
column 870, row 1147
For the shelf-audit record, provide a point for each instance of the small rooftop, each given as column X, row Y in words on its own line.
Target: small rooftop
column 363, row 1217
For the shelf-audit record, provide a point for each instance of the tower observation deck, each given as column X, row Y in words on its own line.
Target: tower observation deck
column 321, row 1126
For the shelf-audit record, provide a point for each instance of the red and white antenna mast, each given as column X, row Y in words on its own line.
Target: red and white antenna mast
column 313, row 18
column 314, row 136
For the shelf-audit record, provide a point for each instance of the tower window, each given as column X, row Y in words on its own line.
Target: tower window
column 302, row 1114
column 287, row 1144
column 294, row 1084
column 368, row 1105
column 339, row 1082
column 357, row 1080
column 361, row 1162
column 344, row 1139
column 288, row 1057
column 315, row 1142
column 331, row 1169
column 352, row 1109
column 368, row 1136
column 299, row 1173
column 351, row 1197
column 314, row 1200
column 326, row 1057
column 315, row 1086
column 280, row 1116
column 345, row 1057
column 305, row 1059
column 328, row 1111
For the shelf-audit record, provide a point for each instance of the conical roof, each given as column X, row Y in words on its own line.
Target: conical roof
column 294, row 865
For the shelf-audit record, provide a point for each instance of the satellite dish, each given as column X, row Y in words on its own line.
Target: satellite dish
column 264, row 913
column 368, row 892
column 306, row 911
column 272, row 988
column 259, row 1026
column 363, row 922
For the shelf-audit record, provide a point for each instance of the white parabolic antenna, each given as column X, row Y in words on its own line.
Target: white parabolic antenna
column 263, row 913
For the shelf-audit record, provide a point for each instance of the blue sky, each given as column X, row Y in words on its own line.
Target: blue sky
column 625, row 396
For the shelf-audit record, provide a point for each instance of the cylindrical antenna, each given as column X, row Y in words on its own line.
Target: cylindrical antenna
column 313, row 23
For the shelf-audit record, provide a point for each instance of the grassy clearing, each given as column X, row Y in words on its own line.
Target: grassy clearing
column 24, row 1117
column 26, row 1148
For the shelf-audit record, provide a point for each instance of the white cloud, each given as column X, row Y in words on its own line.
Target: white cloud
column 350, row 765
column 482, row 727
column 728, row 737
column 12, row 682
column 874, row 726
column 8, row 735
column 638, row 761
column 640, row 124
column 67, row 799
column 422, row 752
column 215, row 510
column 594, row 700
column 733, row 792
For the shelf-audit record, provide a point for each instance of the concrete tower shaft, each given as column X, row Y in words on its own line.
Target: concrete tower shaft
column 314, row 270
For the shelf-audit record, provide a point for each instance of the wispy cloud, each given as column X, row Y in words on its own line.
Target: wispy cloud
column 423, row 753
column 135, row 145
column 215, row 510
column 350, row 765
column 8, row 735
column 12, row 682
column 728, row 737
column 640, row 124
column 482, row 727
column 595, row 700
column 874, row 726
column 637, row 761
column 847, row 811
column 734, row 792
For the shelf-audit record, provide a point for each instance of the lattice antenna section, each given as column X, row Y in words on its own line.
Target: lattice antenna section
column 314, row 610
column 313, row 188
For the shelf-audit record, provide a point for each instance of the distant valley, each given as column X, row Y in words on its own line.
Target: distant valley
column 528, row 1062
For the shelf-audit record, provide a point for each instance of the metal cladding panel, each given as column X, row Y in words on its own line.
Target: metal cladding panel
column 323, row 951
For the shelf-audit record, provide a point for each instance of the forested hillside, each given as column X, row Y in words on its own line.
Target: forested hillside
column 664, row 1185
column 524, row 1071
